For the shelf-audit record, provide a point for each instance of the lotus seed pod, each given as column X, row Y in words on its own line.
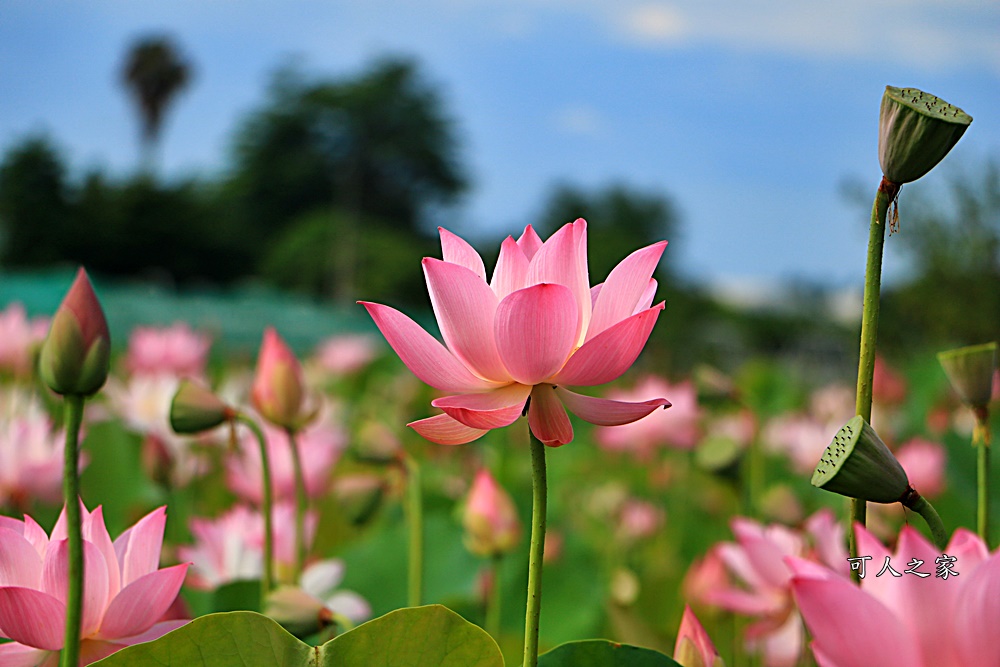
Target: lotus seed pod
column 970, row 371
column 857, row 464
column 195, row 409
column 916, row 131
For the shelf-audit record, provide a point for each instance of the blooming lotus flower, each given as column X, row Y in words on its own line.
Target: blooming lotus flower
column 31, row 451
column 320, row 443
column 18, row 337
column 278, row 392
column 490, row 518
column 694, row 648
column 316, row 601
column 231, row 547
column 76, row 354
column 678, row 428
column 125, row 594
column 175, row 350
column 756, row 561
column 535, row 328
column 905, row 621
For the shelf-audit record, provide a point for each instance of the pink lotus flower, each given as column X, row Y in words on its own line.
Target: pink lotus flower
column 679, row 427
column 340, row 355
column 905, row 621
column 175, row 350
column 757, row 561
column 534, row 329
column 320, row 444
column 18, row 337
column 490, row 518
column 694, row 648
column 639, row 519
column 31, row 452
column 231, row 547
column 125, row 594
column 924, row 462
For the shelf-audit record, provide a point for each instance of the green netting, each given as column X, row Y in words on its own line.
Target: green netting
column 235, row 317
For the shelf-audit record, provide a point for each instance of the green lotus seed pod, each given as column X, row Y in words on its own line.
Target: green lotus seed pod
column 970, row 371
column 720, row 456
column 916, row 131
column 857, row 464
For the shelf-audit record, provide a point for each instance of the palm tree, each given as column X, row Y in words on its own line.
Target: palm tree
column 154, row 74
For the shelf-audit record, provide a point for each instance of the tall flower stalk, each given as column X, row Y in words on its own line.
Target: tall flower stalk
column 916, row 131
column 536, row 553
column 74, row 362
column 301, row 503
column 415, row 530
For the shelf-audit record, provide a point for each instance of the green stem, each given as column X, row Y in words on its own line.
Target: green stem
column 933, row 519
column 493, row 603
column 267, row 504
column 415, row 519
column 73, row 417
column 533, row 609
column 982, row 442
column 887, row 192
column 301, row 502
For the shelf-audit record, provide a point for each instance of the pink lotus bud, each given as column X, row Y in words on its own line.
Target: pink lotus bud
column 490, row 518
column 694, row 648
column 76, row 355
column 278, row 388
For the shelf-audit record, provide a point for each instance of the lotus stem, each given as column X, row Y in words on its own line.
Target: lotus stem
column 301, row 501
column 538, row 508
column 981, row 439
column 415, row 519
column 494, row 599
column 933, row 519
column 887, row 192
column 267, row 506
column 72, row 418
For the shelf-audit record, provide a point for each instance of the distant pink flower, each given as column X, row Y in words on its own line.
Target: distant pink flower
column 705, row 575
column 317, row 600
column 677, row 427
column 924, row 462
column 320, row 445
column 125, row 594
column 694, row 648
column 175, row 350
column 18, row 337
column 231, row 547
column 31, row 452
column 341, row 355
column 888, row 386
column 757, row 562
column 535, row 329
column 639, row 519
column 802, row 438
column 905, row 621
column 492, row 526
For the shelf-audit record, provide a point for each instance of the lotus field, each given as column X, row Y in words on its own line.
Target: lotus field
column 516, row 483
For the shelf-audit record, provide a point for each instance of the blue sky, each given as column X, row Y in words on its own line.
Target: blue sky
column 749, row 115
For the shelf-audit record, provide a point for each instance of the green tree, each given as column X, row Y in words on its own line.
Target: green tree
column 154, row 73
column 377, row 146
column 34, row 204
column 952, row 241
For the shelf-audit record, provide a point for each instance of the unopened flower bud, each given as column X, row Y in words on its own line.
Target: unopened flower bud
column 916, row 131
column 857, row 464
column 76, row 354
column 278, row 390
column 694, row 648
column 195, row 408
column 490, row 518
column 970, row 371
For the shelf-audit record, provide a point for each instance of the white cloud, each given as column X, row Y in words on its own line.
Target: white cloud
column 579, row 119
column 653, row 24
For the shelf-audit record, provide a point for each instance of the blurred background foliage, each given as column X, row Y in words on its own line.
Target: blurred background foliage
column 334, row 188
